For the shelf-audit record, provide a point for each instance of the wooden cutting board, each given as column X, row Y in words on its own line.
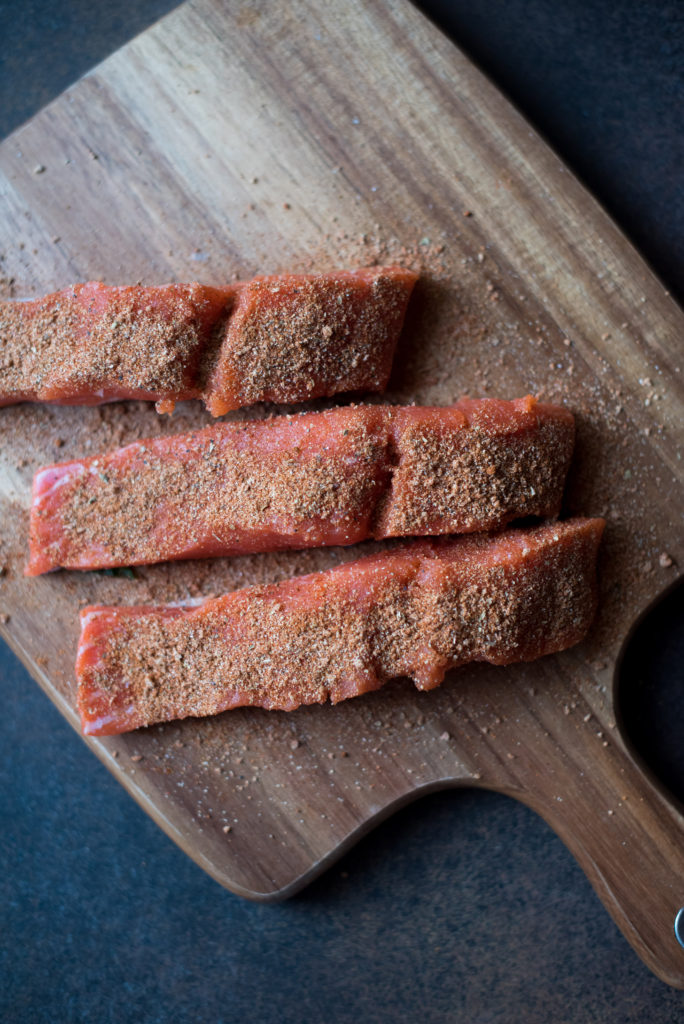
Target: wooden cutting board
column 235, row 138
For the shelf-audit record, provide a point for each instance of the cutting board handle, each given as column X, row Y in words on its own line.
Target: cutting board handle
column 627, row 834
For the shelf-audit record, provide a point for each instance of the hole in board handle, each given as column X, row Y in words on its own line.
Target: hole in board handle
column 679, row 926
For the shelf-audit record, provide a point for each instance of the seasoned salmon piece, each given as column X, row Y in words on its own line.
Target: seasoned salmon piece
column 232, row 488
column 335, row 477
column 304, row 336
column 475, row 466
column 92, row 343
column 289, row 339
column 415, row 611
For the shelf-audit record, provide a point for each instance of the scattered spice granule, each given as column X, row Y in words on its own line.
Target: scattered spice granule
column 665, row 561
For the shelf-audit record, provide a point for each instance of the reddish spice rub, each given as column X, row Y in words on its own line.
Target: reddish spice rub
column 92, row 343
column 335, row 477
column 304, row 336
column 279, row 339
column 415, row 611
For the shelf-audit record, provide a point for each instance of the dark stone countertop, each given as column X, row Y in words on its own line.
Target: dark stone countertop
column 464, row 906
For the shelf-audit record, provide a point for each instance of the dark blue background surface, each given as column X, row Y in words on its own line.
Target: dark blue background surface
column 463, row 907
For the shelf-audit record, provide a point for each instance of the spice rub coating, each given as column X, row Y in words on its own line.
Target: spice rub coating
column 92, row 343
column 415, row 611
column 315, row 479
column 282, row 338
column 302, row 336
column 289, row 482
column 476, row 465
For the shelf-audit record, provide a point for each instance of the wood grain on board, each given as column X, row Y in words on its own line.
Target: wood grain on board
column 232, row 139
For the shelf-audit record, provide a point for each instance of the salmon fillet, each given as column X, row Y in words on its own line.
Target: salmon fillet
column 414, row 611
column 296, row 337
column 335, row 477
column 278, row 339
